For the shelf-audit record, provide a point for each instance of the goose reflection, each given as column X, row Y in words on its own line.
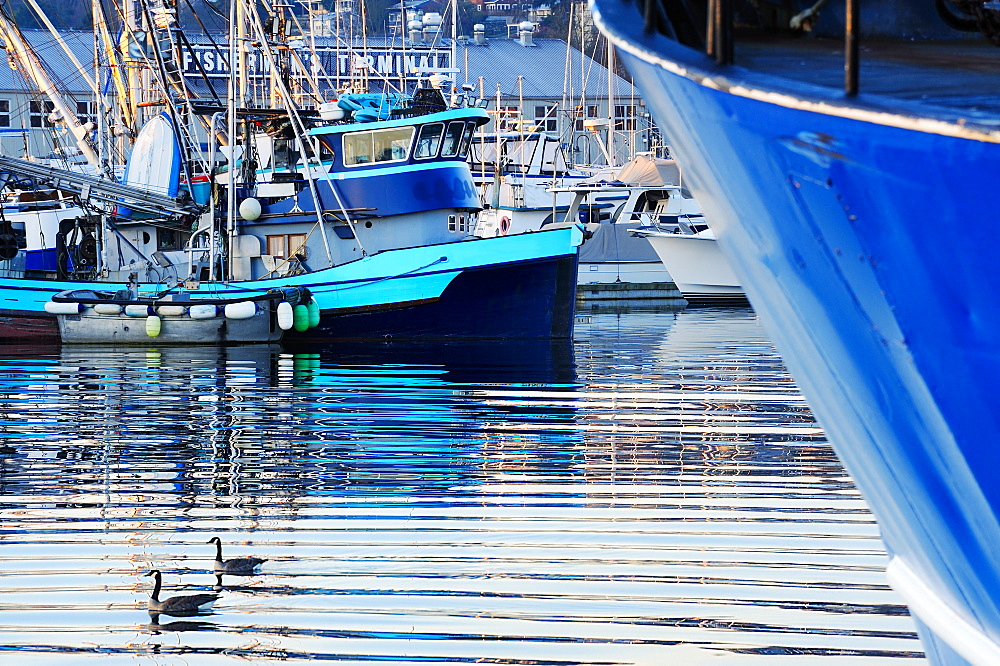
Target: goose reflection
column 155, row 627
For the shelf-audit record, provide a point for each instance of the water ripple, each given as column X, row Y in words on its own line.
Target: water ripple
column 656, row 492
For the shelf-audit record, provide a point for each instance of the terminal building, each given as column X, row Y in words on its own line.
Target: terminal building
column 526, row 83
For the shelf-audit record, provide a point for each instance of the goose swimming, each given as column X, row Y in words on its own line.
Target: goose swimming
column 236, row 565
column 181, row 605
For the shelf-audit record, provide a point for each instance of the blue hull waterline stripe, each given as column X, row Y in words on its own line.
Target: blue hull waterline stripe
column 402, row 280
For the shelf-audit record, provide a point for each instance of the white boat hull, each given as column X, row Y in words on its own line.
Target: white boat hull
column 698, row 267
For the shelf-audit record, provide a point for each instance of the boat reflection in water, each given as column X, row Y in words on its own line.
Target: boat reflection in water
column 656, row 492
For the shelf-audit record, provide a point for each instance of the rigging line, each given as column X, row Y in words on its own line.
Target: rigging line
column 368, row 283
column 300, row 131
column 317, row 62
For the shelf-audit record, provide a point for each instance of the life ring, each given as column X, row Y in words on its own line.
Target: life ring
column 504, row 225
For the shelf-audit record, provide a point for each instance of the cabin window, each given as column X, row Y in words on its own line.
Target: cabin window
column 484, row 151
column 167, row 239
column 286, row 158
column 463, row 150
column 519, row 154
column 457, row 223
column 283, row 246
column 553, row 159
column 4, row 113
column 391, row 145
column 452, row 139
column 429, row 140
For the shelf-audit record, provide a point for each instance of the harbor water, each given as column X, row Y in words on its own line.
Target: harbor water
column 654, row 492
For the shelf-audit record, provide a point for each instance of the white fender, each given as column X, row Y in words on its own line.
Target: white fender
column 203, row 311
column 62, row 308
column 137, row 310
column 241, row 310
column 285, row 317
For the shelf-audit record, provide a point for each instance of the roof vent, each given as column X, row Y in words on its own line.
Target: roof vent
column 432, row 27
column 479, row 34
column 415, row 28
column 526, row 28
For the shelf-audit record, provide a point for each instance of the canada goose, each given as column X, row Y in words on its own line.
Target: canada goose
column 183, row 605
column 236, row 565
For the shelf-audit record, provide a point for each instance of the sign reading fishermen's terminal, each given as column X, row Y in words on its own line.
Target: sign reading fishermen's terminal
column 391, row 63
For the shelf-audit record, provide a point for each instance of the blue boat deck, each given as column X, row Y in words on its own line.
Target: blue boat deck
column 962, row 75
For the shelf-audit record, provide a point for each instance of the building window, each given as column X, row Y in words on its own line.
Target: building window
column 546, row 119
column 590, row 111
column 507, row 117
column 283, row 246
column 38, row 113
column 86, row 112
column 624, row 118
column 4, row 113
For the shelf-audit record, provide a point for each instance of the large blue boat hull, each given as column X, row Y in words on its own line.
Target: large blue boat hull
column 866, row 244
column 520, row 286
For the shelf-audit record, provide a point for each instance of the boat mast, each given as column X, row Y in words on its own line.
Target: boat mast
column 236, row 71
column 454, row 35
column 115, row 65
column 611, row 104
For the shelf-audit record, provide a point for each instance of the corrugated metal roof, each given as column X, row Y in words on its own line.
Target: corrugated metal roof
column 542, row 68
column 60, row 67
column 501, row 61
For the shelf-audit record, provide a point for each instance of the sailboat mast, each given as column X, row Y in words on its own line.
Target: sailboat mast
column 611, row 101
column 454, row 34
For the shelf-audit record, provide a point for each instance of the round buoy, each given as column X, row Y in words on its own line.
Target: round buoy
column 250, row 209
column 152, row 326
column 313, row 307
column 300, row 315
column 286, row 319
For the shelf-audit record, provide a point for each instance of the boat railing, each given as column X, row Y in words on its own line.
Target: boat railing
column 720, row 37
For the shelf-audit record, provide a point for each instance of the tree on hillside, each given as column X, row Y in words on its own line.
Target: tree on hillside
column 64, row 14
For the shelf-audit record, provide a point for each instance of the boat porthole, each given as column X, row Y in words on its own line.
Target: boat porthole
column 368, row 224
